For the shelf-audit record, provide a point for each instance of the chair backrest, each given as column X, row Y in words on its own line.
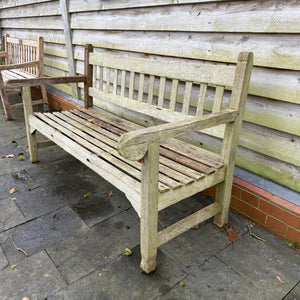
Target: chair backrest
column 164, row 89
column 22, row 51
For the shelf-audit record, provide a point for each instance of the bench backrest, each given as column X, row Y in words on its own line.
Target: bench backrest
column 22, row 51
column 167, row 90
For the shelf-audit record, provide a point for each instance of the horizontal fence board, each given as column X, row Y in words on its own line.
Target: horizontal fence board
column 91, row 5
column 16, row 3
column 239, row 17
column 52, row 22
column 274, row 51
column 49, row 9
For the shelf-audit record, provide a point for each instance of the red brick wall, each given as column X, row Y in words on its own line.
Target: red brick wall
column 273, row 213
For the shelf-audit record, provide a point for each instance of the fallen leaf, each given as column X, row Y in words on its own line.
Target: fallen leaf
column 13, row 190
column 12, row 266
column 25, row 298
column 232, row 234
column 10, row 156
column 13, row 199
column 279, row 279
column 105, row 270
column 162, row 214
column 196, row 227
column 128, row 252
column 21, row 157
column 182, row 283
column 110, row 193
column 89, row 194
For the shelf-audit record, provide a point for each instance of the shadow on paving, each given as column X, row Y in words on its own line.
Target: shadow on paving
column 74, row 228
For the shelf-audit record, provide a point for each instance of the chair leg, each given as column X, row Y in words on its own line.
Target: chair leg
column 44, row 96
column 223, row 196
column 5, row 102
column 149, row 209
column 31, row 135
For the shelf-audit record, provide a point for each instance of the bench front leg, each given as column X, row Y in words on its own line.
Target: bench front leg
column 31, row 135
column 149, row 208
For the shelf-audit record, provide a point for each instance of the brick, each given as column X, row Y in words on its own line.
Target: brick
column 293, row 234
column 250, row 198
column 297, row 210
column 282, row 202
column 273, row 231
column 252, row 188
column 248, row 210
column 280, row 214
column 277, row 225
column 236, row 191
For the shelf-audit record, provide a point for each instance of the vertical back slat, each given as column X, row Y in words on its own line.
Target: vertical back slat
column 131, row 85
column 218, row 99
column 161, row 94
column 101, row 78
column 201, row 99
column 107, row 79
column 115, row 84
column 151, row 88
column 187, row 96
column 123, row 82
column 141, row 87
column 173, row 97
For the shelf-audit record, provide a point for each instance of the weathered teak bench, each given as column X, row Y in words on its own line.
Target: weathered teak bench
column 23, row 59
column 149, row 165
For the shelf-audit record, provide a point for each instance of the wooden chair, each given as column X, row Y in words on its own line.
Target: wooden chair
column 23, row 59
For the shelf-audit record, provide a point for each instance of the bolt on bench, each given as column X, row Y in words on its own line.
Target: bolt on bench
column 151, row 166
column 24, row 59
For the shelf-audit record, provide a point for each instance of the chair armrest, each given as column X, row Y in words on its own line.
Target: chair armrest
column 133, row 145
column 18, row 83
column 20, row 66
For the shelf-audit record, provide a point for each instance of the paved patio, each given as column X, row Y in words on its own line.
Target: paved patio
column 74, row 227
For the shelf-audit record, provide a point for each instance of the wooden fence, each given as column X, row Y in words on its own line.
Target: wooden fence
column 188, row 29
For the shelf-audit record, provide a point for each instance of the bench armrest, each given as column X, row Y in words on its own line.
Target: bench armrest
column 133, row 145
column 20, row 66
column 3, row 53
column 18, row 83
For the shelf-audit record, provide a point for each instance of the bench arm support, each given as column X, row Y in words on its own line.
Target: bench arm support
column 20, row 66
column 18, row 83
column 133, row 145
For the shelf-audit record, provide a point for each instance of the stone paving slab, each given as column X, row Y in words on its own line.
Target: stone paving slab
column 213, row 280
column 20, row 180
column 41, row 233
column 196, row 245
column 78, row 256
column 104, row 202
column 122, row 279
column 35, row 277
column 265, row 264
column 294, row 294
column 3, row 260
column 51, row 196
column 10, row 214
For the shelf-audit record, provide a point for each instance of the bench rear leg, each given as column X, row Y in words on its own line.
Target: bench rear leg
column 31, row 134
column 44, row 96
column 149, row 209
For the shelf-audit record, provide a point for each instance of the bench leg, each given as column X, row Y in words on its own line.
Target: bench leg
column 149, row 209
column 44, row 96
column 31, row 135
column 223, row 196
column 5, row 102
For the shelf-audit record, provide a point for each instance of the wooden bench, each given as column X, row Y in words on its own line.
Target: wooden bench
column 23, row 59
column 151, row 166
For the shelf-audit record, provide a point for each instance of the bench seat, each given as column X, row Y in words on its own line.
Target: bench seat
column 92, row 137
